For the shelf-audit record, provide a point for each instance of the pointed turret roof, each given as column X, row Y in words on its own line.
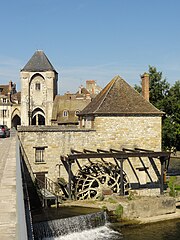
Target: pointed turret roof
column 38, row 63
column 119, row 98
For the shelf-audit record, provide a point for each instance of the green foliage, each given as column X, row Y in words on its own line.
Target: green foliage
column 119, row 211
column 112, row 200
column 104, row 208
column 138, row 88
column 166, row 99
column 131, row 196
column 101, row 197
column 171, row 185
column 159, row 88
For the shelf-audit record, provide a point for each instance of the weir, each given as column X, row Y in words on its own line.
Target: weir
column 62, row 227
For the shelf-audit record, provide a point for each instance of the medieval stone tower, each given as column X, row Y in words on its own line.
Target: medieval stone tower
column 38, row 90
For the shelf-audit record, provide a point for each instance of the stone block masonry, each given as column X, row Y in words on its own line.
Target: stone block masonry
column 109, row 132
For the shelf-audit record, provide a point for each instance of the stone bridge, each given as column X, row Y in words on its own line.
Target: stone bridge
column 12, row 212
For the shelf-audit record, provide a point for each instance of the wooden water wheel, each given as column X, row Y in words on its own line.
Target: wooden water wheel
column 92, row 179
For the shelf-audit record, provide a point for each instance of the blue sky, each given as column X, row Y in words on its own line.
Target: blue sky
column 91, row 39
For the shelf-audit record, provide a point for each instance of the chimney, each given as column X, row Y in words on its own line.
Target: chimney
column 145, row 86
column 90, row 86
column 10, row 86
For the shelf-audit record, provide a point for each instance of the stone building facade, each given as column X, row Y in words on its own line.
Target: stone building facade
column 38, row 90
column 9, row 105
column 38, row 102
column 117, row 118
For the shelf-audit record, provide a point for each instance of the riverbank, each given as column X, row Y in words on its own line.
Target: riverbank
column 160, row 218
column 136, row 211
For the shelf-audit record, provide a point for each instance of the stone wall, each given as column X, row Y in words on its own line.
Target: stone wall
column 148, row 207
column 112, row 132
column 32, row 98
column 130, row 131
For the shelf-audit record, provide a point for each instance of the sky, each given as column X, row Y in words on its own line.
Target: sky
column 91, row 39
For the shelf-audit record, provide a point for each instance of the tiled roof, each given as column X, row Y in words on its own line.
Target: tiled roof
column 38, row 63
column 4, row 89
column 119, row 98
column 70, row 103
column 16, row 97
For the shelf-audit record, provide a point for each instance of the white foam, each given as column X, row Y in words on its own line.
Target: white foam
column 100, row 233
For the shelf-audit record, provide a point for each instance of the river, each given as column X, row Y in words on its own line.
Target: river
column 166, row 230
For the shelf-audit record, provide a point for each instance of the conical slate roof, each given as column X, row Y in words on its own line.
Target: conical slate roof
column 38, row 63
column 119, row 98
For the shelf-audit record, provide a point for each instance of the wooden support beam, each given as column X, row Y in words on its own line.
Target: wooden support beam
column 115, row 150
column 78, row 164
column 102, row 151
column 129, row 150
column 89, row 151
column 75, row 151
column 133, row 171
column 106, row 154
column 70, row 178
column 162, row 176
column 64, row 160
column 116, row 161
column 122, row 177
column 143, row 150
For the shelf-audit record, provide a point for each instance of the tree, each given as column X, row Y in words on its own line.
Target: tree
column 171, row 122
column 159, row 88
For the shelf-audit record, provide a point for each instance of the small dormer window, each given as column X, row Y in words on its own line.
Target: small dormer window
column 38, row 86
column 76, row 112
column 65, row 113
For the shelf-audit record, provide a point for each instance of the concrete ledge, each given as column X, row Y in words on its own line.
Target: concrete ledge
column 160, row 218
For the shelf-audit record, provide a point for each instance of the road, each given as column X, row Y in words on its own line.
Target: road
column 8, row 188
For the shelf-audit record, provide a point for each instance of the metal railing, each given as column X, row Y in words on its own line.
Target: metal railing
column 24, row 229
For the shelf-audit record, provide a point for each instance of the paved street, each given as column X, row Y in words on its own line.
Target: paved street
column 8, row 188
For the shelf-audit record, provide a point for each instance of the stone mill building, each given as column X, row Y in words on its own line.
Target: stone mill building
column 111, row 121
column 117, row 118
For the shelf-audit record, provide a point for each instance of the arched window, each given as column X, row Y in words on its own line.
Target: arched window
column 65, row 113
column 38, row 86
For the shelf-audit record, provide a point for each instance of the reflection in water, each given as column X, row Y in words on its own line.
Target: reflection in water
column 167, row 230
column 157, row 231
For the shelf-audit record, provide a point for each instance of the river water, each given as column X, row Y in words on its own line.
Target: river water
column 166, row 230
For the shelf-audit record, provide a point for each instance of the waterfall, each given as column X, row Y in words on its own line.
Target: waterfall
column 60, row 227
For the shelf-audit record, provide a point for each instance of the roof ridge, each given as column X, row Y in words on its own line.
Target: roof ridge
column 111, row 85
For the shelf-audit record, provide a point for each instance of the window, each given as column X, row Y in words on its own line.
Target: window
column 39, row 154
column 38, row 86
column 65, row 113
column 4, row 113
column 76, row 112
column 4, row 100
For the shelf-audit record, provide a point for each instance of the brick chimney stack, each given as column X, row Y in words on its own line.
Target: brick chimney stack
column 145, row 86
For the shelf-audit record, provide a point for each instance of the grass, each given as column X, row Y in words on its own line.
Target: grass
column 173, row 186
